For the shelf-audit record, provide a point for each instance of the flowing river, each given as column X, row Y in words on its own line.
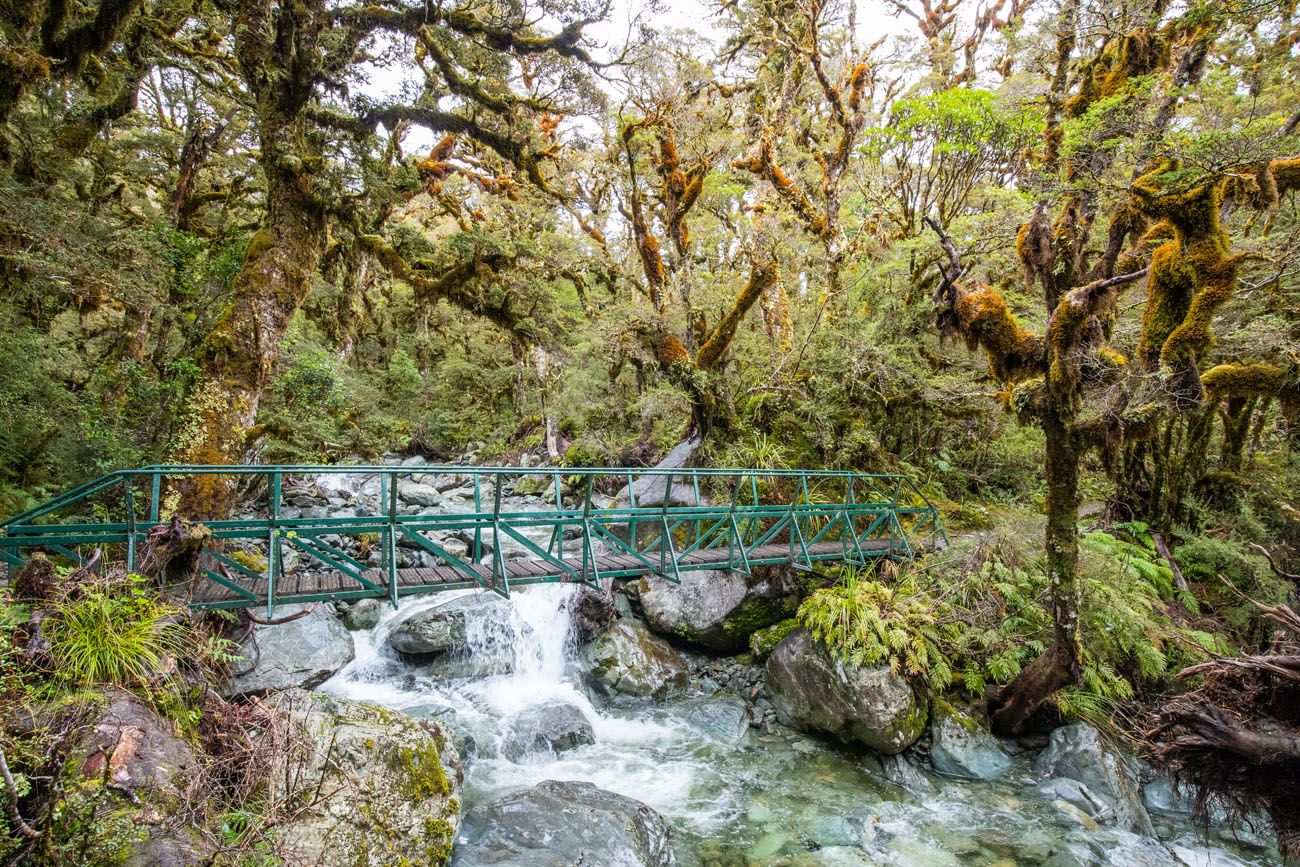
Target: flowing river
column 735, row 795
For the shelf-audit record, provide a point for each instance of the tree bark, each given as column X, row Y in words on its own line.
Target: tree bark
column 1059, row 665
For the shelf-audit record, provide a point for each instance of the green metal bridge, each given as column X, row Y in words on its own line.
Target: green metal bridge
column 569, row 524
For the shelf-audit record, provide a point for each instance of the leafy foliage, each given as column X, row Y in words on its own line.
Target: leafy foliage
column 975, row 621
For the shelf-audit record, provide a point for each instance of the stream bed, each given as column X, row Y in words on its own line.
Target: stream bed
column 735, row 794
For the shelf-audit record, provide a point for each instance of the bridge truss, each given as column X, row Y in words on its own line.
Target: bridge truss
column 581, row 524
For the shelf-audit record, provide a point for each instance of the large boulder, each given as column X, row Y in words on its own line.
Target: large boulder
column 444, row 628
column 1078, row 752
column 961, row 747
column 129, row 796
column 300, row 653
column 560, row 824
column 379, row 787
column 626, row 658
column 869, row 706
column 552, row 726
column 718, row 610
column 650, row 488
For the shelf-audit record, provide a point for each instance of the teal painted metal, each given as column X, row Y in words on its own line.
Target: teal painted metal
column 663, row 522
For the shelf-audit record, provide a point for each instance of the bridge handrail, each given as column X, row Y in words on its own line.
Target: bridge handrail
column 99, row 483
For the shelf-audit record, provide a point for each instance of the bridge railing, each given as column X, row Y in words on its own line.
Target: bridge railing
column 581, row 524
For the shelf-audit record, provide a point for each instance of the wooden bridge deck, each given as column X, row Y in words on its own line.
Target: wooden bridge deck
column 518, row 572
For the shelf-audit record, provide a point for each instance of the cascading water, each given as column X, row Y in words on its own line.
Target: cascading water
column 731, row 797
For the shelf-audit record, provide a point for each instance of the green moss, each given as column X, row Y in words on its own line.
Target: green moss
column 422, row 772
column 764, row 641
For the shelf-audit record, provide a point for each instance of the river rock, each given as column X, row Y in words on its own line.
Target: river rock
column 417, row 494
column 301, row 653
column 1079, row 796
column 626, row 658
column 1079, row 753
column 366, row 613
column 813, row 692
column 443, row 628
column 716, row 609
column 561, row 824
column 378, row 787
column 961, row 747
column 724, row 719
column 555, row 726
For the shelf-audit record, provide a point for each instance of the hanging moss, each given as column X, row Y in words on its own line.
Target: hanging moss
column 1192, row 275
column 981, row 317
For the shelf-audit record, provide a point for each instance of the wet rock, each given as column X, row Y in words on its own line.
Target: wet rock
column 1162, row 797
column 443, row 628
column 961, row 747
column 416, row 494
column 377, row 786
column 590, row 611
column 901, row 772
column 1079, row 753
column 718, row 610
column 560, row 824
column 869, row 706
column 835, row 856
column 626, row 658
column 1079, row 796
column 724, row 719
column 366, row 613
column 301, row 653
column 555, row 726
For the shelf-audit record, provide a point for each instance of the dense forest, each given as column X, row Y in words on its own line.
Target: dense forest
column 1043, row 256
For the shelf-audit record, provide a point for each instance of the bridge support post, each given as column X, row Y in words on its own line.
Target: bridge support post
column 272, row 541
column 129, row 500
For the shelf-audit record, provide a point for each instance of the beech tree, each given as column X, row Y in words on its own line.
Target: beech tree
column 1069, row 379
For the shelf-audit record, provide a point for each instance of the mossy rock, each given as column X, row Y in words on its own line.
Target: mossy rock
column 387, row 786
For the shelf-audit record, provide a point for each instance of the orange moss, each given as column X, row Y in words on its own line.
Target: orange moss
column 1192, row 275
column 670, row 351
column 981, row 317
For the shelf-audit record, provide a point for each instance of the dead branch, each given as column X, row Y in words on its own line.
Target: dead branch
column 11, row 796
column 1272, row 564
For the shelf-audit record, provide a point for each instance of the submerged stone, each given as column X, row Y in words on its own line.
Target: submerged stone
column 555, row 726
column 724, row 719
column 560, row 824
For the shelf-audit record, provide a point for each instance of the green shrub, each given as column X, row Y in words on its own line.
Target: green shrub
column 972, row 619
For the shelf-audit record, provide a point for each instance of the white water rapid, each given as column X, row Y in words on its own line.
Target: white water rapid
column 732, row 797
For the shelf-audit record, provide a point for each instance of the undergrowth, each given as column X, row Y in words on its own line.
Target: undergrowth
column 975, row 616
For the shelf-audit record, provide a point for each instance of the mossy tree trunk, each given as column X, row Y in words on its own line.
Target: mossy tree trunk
column 1059, row 665
column 237, row 357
